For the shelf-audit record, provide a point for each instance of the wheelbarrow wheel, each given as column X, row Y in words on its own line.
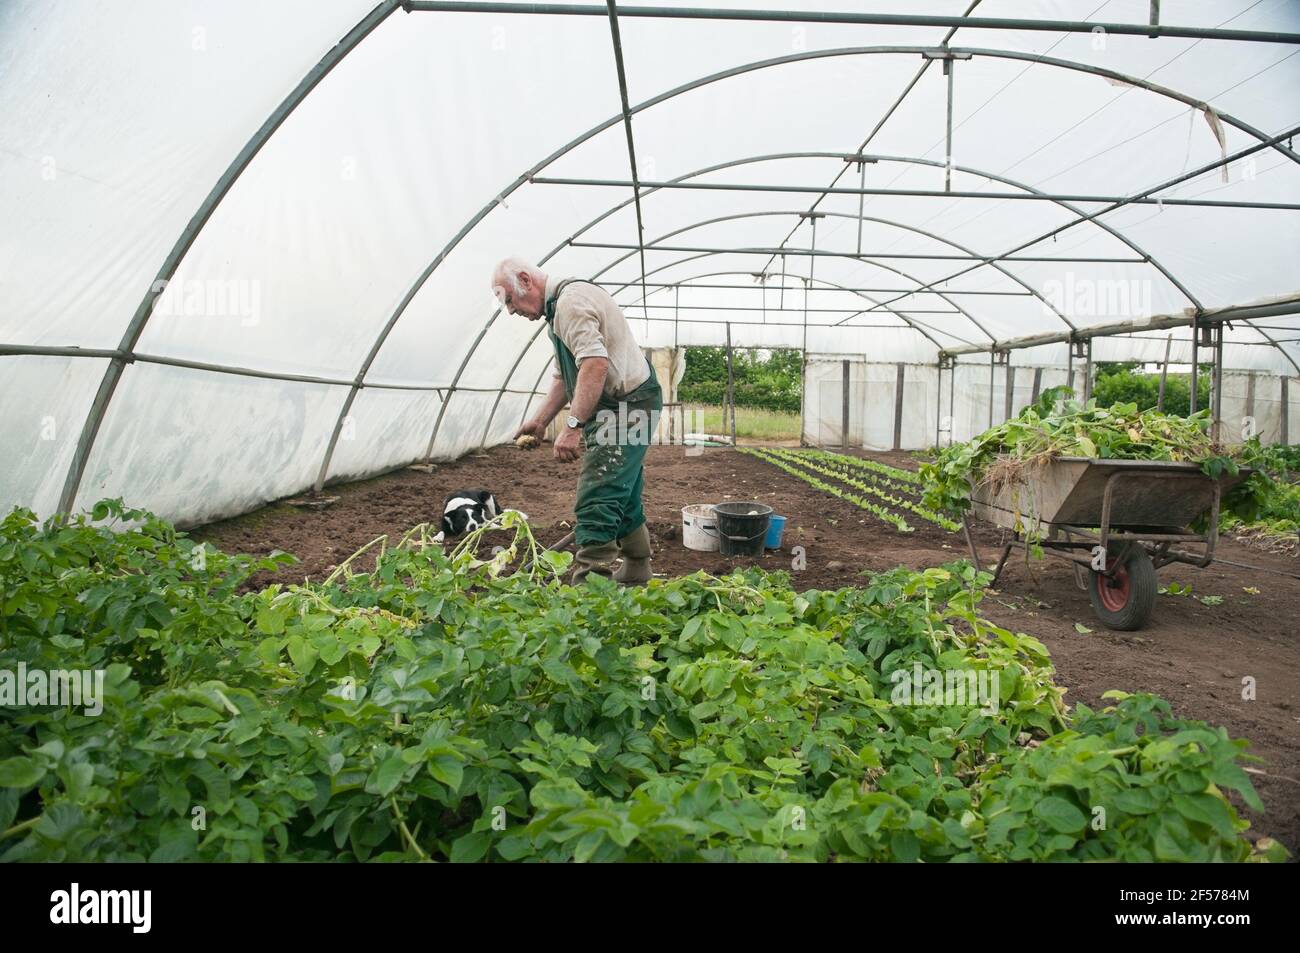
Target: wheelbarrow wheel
column 1124, row 596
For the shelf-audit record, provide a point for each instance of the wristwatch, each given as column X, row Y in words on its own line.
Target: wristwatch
column 573, row 422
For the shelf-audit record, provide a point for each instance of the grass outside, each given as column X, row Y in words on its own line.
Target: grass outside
column 751, row 423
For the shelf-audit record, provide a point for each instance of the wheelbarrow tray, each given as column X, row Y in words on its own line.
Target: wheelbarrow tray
column 1070, row 491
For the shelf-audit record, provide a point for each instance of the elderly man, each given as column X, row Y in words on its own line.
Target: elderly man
column 614, row 401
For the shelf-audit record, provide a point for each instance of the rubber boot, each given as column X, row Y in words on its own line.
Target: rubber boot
column 594, row 558
column 635, row 546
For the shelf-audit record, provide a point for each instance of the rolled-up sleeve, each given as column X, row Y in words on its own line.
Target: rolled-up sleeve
column 579, row 328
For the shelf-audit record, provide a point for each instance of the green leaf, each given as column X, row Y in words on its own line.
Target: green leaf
column 268, row 650
column 586, row 846
column 1060, row 815
column 389, row 774
column 448, row 769
column 20, row 773
column 470, row 848
column 302, row 653
column 301, row 789
column 557, row 795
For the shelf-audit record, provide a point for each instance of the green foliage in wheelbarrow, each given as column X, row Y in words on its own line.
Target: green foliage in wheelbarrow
column 1058, row 425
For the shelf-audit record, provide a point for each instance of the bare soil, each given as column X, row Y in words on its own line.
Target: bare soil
column 1193, row 655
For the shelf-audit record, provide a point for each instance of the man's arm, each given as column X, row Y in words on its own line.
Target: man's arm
column 586, row 394
column 591, row 381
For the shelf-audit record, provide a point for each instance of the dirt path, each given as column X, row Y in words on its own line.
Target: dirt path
column 1195, row 656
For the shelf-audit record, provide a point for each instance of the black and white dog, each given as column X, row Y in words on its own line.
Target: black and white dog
column 467, row 510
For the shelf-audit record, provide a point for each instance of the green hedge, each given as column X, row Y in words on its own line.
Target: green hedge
column 768, row 382
column 1121, row 384
column 747, row 395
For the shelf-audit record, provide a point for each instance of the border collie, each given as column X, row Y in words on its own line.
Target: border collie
column 467, row 510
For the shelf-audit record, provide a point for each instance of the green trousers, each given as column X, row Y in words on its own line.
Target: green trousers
column 613, row 467
column 613, row 474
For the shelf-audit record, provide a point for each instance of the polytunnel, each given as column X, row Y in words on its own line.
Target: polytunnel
column 247, row 246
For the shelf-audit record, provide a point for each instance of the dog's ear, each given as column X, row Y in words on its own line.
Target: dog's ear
column 492, row 509
column 446, row 525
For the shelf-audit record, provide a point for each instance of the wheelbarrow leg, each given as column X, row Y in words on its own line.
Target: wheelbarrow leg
column 1006, row 551
column 1080, row 579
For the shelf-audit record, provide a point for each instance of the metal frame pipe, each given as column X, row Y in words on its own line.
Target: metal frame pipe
column 917, row 193
column 861, row 19
column 823, row 253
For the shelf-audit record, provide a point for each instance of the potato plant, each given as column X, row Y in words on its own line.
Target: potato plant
column 443, row 707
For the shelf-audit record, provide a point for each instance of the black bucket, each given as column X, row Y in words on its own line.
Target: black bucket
column 742, row 528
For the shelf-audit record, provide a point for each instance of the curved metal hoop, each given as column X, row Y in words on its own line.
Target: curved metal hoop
column 333, row 57
column 736, row 71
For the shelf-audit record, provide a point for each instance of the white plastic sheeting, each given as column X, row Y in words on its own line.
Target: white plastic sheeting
column 968, row 398
column 935, row 410
column 352, row 241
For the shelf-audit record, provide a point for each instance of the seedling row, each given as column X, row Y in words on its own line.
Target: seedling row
column 876, row 486
column 832, row 461
column 875, row 509
column 905, row 494
column 870, row 481
column 874, row 466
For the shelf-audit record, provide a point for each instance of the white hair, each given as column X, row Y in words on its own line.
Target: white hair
column 508, row 270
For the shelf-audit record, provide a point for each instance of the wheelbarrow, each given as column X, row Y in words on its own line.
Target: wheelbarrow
column 1117, row 521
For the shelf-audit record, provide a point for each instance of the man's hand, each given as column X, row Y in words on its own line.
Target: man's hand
column 566, row 445
column 534, row 428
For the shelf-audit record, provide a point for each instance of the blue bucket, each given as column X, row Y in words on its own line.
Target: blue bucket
column 775, row 527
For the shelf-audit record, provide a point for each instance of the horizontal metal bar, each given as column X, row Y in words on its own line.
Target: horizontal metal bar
column 860, row 19
column 915, row 193
column 382, row 386
column 799, row 287
column 901, row 326
column 863, row 256
column 793, row 307
column 492, row 390
column 239, row 371
column 38, row 350
column 1271, row 343
column 1091, row 533
column 65, row 351
column 1154, row 323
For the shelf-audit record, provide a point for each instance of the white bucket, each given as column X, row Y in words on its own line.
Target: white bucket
column 700, row 527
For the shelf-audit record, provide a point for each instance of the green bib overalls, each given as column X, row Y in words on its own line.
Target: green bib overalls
column 613, row 468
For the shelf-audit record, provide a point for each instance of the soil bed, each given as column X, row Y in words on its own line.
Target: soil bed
column 1193, row 655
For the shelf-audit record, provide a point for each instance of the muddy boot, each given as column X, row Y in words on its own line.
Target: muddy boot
column 595, row 558
column 635, row 546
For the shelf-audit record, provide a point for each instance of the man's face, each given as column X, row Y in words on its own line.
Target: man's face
column 527, row 301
